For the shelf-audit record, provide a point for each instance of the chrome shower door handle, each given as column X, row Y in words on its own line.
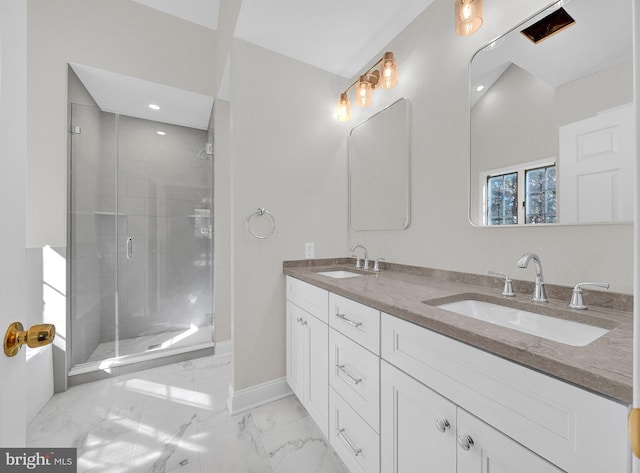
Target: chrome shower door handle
column 129, row 248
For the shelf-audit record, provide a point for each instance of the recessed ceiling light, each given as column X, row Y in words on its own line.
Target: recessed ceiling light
column 161, row 133
column 479, row 88
column 153, row 106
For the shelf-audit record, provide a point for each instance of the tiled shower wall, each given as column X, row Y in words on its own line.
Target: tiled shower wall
column 163, row 204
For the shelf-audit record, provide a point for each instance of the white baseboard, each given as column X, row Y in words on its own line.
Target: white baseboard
column 249, row 398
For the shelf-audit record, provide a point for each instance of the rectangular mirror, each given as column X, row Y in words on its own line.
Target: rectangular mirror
column 552, row 126
column 379, row 170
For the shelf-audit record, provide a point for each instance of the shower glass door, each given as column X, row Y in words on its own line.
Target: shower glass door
column 140, row 239
column 165, row 252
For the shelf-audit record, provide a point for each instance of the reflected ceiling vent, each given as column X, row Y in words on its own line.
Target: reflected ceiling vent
column 551, row 24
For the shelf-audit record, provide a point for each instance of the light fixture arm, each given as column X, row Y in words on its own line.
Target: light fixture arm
column 367, row 73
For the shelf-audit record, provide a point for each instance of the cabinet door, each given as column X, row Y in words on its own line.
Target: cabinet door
column 316, row 376
column 418, row 426
column 295, row 349
column 482, row 449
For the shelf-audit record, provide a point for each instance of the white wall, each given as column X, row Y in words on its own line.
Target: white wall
column 287, row 156
column 222, row 221
column 115, row 35
column 434, row 77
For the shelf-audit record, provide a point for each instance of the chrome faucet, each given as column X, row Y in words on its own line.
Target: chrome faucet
column 577, row 299
column 539, row 293
column 366, row 257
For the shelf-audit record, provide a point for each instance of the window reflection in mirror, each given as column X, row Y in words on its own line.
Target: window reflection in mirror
column 558, row 111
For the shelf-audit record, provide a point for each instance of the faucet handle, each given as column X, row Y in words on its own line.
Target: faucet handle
column 507, row 290
column 376, row 266
column 577, row 299
column 358, row 261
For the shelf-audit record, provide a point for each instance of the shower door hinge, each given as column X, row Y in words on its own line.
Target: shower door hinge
column 210, row 318
column 76, row 130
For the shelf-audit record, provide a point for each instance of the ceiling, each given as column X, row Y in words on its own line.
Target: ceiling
column 335, row 35
column 127, row 95
column 345, row 36
column 338, row 36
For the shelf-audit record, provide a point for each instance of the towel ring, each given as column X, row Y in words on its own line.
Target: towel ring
column 260, row 212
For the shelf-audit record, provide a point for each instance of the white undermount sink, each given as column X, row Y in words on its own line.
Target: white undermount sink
column 558, row 330
column 339, row 274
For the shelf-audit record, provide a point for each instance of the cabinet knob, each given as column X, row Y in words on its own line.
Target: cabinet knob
column 442, row 425
column 465, row 441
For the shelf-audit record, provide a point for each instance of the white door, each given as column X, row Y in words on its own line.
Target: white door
column 13, row 79
column 596, row 168
column 418, row 426
column 482, row 449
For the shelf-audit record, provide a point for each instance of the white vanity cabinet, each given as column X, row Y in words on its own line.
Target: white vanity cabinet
column 307, row 347
column 354, row 384
column 393, row 397
column 518, row 414
column 423, row 431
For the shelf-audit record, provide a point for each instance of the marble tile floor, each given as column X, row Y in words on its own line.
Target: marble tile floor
column 174, row 419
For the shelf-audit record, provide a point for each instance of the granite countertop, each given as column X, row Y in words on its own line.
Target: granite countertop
column 604, row 366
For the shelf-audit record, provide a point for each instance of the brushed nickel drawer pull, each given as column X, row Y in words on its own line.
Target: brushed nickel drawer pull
column 347, row 442
column 344, row 318
column 353, row 379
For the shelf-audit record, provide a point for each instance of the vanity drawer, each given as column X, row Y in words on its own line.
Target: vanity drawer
column 355, row 374
column 357, row 321
column 309, row 297
column 357, row 444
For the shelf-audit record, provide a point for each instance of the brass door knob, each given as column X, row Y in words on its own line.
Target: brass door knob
column 37, row 336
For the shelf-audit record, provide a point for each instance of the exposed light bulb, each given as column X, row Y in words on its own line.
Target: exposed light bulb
column 363, row 92
column 468, row 16
column 465, row 12
column 389, row 71
column 344, row 108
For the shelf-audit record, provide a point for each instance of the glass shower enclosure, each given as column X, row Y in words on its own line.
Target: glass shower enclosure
column 140, row 240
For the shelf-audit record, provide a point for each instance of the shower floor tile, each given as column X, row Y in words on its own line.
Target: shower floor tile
column 145, row 343
column 174, row 419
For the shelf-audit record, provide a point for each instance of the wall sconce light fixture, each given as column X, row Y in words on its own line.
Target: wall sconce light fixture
column 385, row 77
column 468, row 16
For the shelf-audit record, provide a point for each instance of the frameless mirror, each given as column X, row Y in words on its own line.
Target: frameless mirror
column 552, row 127
column 379, row 170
